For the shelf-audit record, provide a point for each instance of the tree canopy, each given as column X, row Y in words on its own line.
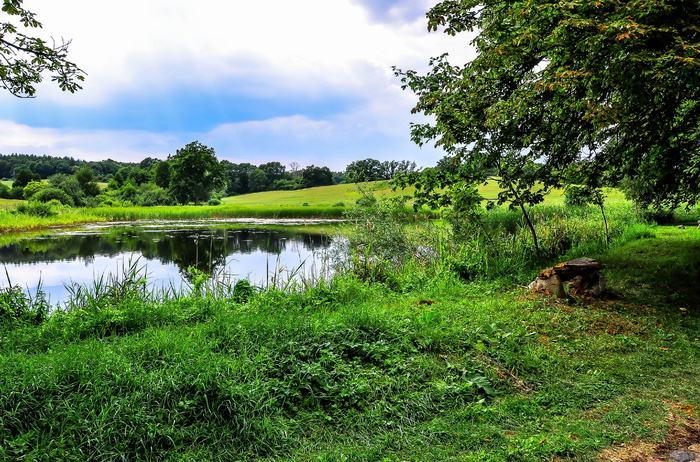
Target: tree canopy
column 585, row 91
column 25, row 58
column 196, row 173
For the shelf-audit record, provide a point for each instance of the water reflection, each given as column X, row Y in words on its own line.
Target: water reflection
column 64, row 257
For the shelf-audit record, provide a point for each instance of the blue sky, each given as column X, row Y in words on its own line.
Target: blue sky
column 308, row 81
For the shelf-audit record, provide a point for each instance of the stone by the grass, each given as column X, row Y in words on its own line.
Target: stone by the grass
column 681, row 455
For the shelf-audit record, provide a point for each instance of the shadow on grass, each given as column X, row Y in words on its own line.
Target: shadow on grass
column 663, row 270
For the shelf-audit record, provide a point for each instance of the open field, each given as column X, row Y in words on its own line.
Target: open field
column 349, row 193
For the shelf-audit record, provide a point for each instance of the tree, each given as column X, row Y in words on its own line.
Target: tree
column 25, row 58
column 313, row 176
column 85, row 177
column 238, row 177
column 196, row 173
column 392, row 168
column 257, row 181
column 162, row 175
column 69, row 185
column 32, row 188
column 295, row 168
column 360, row 171
column 274, row 171
column 23, row 178
column 612, row 88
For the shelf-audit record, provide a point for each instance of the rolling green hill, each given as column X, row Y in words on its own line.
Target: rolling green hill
column 348, row 194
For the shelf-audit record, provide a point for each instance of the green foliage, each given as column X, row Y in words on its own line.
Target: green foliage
column 313, row 176
column 150, row 195
column 38, row 209
column 379, row 244
column 243, row 291
column 32, row 188
column 49, row 193
column 18, row 309
column 27, row 58
column 569, row 85
column 196, row 173
column 47, row 166
column 69, row 185
column 24, row 177
column 366, row 170
column 162, row 175
column 17, row 193
column 367, row 199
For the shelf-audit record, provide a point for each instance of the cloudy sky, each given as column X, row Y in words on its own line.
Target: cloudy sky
column 306, row 81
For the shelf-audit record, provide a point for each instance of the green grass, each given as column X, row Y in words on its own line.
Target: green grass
column 430, row 368
column 321, row 202
column 348, row 194
column 319, row 196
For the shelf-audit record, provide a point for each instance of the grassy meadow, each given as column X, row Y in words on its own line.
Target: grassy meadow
column 425, row 346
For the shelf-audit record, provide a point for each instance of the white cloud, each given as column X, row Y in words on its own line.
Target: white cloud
column 309, row 49
column 276, row 45
column 127, row 146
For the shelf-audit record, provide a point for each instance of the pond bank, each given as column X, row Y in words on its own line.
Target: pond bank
column 11, row 221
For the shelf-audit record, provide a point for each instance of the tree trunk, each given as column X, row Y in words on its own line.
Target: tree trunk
column 527, row 219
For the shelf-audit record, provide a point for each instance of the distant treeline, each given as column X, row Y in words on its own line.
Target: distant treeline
column 46, row 166
column 242, row 178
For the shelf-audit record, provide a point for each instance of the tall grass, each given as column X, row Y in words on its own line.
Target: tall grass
column 11, row 221
column 495, row 244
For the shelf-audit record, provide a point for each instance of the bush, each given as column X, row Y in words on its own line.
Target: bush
column 38, row 209
column 153, row 195
column 17, row 193
column 32, row 188
column 366, row 200
column 4, row 191
column 577, row 196
column 51, row 193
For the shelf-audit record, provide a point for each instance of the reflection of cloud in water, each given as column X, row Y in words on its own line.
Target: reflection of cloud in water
column 53, row 275
column 264, row 257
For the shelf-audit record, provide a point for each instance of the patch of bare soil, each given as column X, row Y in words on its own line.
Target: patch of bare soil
column 683, row 433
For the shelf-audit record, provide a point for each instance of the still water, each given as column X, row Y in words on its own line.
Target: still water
column 228, row 250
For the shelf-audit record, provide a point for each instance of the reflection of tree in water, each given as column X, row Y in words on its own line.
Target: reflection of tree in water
column 205, row 249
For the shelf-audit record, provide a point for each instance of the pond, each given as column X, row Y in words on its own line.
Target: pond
column 165, row 252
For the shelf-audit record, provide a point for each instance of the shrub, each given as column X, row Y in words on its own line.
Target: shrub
column 17, row 193
column 153, row 195
column 366, row 200
column 577, row 196
column 32, row 188
column 51, row 193
column 38, row 209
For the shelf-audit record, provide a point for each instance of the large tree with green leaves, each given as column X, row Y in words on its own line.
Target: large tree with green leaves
column 196, row 173
column 601, row 89
column 24, row 58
